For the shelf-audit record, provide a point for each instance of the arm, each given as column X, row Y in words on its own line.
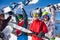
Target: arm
column 53, row 14
column 44, row 29
column 5, row 22
column 25, row 18
column 8, row 19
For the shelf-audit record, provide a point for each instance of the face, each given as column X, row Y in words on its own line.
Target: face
column 35, row 18
column 45, row 17
column 20, row 19
column 1, row 16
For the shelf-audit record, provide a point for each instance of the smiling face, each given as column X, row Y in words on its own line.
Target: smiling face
column 2, row 16
column 20, row 19
column 46, row 17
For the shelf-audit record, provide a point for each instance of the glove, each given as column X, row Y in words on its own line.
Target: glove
column 10, row 13
column 21, row 5
column 41, row 34
column 1, row 35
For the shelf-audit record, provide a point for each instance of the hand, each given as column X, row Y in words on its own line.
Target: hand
column 41, row 34
column 10, row 13
column 21, row 5
column 1, row 35
column 52, row 8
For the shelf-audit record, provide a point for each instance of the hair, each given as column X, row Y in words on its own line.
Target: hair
column 48, row 18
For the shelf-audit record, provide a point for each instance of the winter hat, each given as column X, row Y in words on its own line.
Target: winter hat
column 20, row 16
column 44, row 13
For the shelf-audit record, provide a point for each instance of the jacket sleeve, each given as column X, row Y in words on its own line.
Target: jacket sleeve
column 5, row 22
column 44, row 29
column 31, row 28
column 25, row 18
column 8, row 19
column 53, row 15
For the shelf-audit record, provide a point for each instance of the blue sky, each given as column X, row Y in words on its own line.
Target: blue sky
column 41, row 4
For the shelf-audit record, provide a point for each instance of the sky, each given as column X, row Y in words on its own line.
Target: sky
column 41, row 4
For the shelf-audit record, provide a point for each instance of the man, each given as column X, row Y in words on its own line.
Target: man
column 20, row 23
column 3, row 22
column 38, row 27
column 24, row 23
column 50, row 22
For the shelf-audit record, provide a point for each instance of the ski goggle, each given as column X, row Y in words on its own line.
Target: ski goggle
column 35, row 15
column 45, row 16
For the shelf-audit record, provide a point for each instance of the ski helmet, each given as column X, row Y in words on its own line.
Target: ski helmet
column 44, row 13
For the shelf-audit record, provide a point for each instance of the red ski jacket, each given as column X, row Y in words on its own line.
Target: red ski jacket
column 37, row 26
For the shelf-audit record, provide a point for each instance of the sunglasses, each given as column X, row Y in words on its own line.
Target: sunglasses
column 45, row 16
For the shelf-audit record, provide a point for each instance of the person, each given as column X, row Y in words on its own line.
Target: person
column 20, row 23
column 3, row 23
column 37, row 27
column 50, row 22
column 24, row 23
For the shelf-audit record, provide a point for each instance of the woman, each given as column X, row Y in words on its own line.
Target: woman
column 50, row 22
column 22, row 22
column 38, row 27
